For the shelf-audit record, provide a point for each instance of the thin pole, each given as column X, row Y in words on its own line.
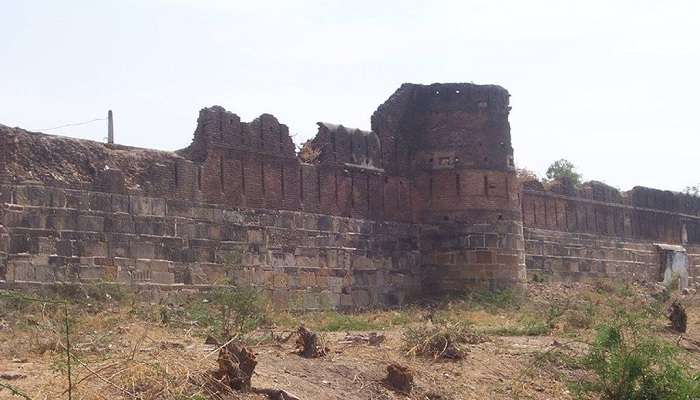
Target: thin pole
column 70, row 381
column 110, row 128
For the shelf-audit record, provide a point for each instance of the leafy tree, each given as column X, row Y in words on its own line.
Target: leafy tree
column 693, row 190
column 563, row 171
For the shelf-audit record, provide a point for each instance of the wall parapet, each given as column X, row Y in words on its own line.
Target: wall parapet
column 628, row 218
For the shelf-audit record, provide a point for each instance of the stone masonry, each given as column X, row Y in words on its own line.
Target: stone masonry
column 427, row 202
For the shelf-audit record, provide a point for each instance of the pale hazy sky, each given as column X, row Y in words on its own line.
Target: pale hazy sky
column 610, row 85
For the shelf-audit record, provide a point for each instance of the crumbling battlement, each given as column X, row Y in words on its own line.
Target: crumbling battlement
column 425, row 202
column 640, row 213
column 431, row 188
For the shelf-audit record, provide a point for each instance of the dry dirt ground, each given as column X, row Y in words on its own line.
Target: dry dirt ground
column 128, row 349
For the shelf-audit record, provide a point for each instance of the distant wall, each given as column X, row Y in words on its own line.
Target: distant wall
column 596, row 231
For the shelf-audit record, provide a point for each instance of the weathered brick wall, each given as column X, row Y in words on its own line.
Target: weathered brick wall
column 453, row 142
column 298, row 259
column 434, row 181
column 596, row 231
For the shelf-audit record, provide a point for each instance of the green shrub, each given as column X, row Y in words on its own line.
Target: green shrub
column 241, row 309
column 227, row 311
column 494, row 300
column 336, row 322
column 528, row 327
column 630, row 364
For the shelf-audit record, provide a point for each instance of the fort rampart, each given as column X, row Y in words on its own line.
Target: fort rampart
column 427, row 202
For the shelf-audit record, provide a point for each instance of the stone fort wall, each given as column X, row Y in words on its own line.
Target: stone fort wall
column 427, row 202
column 596, row 231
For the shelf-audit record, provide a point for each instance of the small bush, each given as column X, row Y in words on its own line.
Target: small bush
column 629, row 364
column 579, row 319
column 227, row 311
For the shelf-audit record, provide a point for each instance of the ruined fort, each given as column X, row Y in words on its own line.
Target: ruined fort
column 427, row 202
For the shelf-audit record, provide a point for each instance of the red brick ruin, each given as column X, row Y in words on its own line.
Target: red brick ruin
column 426, row 203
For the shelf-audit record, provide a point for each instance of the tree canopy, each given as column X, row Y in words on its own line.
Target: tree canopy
column 563, row 170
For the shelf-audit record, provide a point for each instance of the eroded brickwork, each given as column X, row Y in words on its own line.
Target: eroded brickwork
column 299, row 260
column 596, row 231
column 426, row 202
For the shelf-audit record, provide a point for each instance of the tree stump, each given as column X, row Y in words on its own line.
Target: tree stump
column 678, row 317
column 309, row 345
column 399, row 378
column 236, row 366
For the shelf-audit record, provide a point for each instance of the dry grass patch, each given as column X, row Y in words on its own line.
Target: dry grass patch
column 446, row 341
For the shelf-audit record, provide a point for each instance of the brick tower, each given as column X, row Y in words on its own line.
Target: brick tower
column 453, row 141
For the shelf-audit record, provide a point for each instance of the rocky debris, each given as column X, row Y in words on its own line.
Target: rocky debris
column 399, row 378
column 276, row 394
column 372, row 338
column 678, row 317
column 168, row 345
column 236, row 366
column 11, row 376
column 309, row 345
column 211, row 340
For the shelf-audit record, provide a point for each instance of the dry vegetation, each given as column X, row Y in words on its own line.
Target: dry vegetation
column 558, row 341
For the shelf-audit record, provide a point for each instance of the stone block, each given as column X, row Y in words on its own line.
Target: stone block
column 160, row 265
column 91, row 273
column 307, row 279
column 157, row 207
column 139, row 205
column 280, row 299
column 90, row 223
column 484, row 257
column 262, row 277
column 100, row 201
column 140, row 249
column 44, row 273
column 47, row 245
column 232, row 216
column 311, row 301
column 93, row 249
column 166, row 278
column 19, row 270
column 360, row 298
column 346, row 301
column 77, row 199
column 296, row 300
column 280, row 280
column 335, row 284
column 255, row 236
column 123, row 276
column 119, row 203
column 328, row 300
column 362, row 262
column 203, row 214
